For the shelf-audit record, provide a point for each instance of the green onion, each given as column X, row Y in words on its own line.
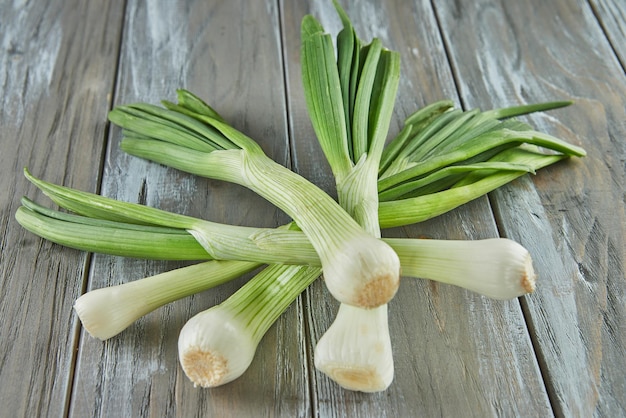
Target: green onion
column 106, row 312
column 358, row 269
column 420, row 258
column 442, row 158
column 353, row 97
column 217, row 345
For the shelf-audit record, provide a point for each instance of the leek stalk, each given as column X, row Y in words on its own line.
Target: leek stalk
column 359, row 91
column 439, row 260
column 108, row 311
column 358, row 269
column 216, row 346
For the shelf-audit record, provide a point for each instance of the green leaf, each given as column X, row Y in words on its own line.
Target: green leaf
column 432, row 183
column 512, row 111
column 412, row 124
column 360, row 118
column 96, row 206
column 195, row 104
column 383, row 98
column 145, row 120
column 418, row 209
column 108, row 237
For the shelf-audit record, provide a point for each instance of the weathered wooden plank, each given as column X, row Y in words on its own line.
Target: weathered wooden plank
column 456, row 353
column 228, row 53
column 612, row 17
column 57, row 67
column 571, row 216
column 60, row 56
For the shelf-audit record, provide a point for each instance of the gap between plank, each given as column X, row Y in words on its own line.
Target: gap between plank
column 603, row 28
column 541, row 364
column 304, row 314
column 87, row 267
column 532, row 334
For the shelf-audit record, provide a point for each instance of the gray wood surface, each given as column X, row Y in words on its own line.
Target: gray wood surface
column 571, row 216
column 611, row 15
column 558, row 352
column 56, row 76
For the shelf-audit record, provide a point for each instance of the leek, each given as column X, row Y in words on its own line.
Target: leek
column 108, row 311
column 442, row 158
column 440, row 260
column 354, row 96
column 358, row 269
column 217, row 346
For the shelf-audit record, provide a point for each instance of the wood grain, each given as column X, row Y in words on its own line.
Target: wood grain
column 571, row 216
column 456, row 354
column 56, row 75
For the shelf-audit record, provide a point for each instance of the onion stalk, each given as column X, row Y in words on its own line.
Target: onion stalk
column 108, row 311
column 440, row 260
column 216, row 346
column 358, row 269
column 353, row 98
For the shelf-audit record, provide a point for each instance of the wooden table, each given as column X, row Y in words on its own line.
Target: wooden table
column 560, row 351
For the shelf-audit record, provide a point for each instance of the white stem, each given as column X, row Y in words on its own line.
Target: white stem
column 498, row 267
column 356, row 350
column 106, row 312
column 215, row 347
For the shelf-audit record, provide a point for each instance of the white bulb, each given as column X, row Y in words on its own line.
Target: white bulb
column 363, row 273
column 356, row 350
column 214, row 347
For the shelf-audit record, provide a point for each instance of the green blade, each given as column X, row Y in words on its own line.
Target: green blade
column 409, row 189
column 324, row 100
column 360, row 118
column 111, row 238
column 508, row 112
column 96, row 206
column 412, row 124
column 418, row 209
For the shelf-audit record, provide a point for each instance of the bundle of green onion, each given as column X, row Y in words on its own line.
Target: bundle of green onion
column 441, row 159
